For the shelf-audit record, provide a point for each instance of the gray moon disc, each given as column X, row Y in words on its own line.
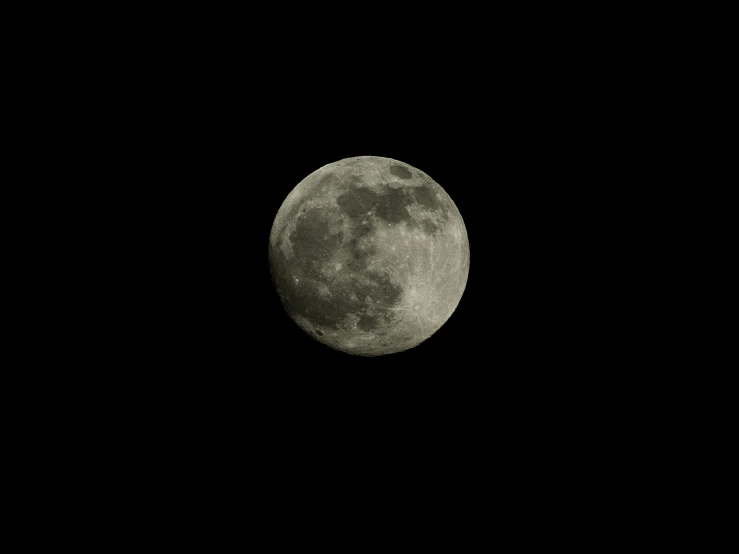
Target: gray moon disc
column 369, row 255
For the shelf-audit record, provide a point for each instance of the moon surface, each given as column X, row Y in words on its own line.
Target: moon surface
column 369, row 255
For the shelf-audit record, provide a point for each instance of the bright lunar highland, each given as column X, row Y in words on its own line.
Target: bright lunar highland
column 369, row 255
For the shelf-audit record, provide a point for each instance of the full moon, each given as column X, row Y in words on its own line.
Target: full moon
column 369, row 255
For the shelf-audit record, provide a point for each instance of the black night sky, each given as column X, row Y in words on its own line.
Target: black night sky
column 523, row 118
column 537, row 389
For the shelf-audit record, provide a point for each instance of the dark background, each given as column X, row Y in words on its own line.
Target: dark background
column 523, row 117
column 179, row 391
column 190, row 376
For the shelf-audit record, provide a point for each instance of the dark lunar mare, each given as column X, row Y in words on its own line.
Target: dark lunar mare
column 357, row 201
column 391, row 204
column 401, row 172
column 368, row 295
